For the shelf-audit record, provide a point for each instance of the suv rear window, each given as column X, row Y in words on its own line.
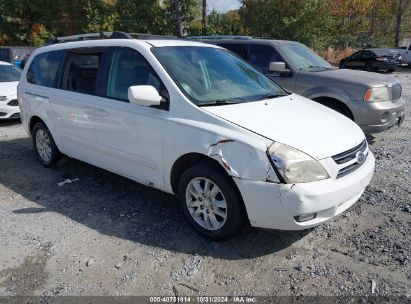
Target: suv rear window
column 44, row 69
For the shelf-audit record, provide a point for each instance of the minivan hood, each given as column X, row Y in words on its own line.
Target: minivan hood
column 8, row 88
column 295, row 121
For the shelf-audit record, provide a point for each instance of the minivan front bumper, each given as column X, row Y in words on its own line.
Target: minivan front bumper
column 280, row 206
column 374, row 117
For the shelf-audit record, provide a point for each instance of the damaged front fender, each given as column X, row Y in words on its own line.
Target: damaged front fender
column 242, row 161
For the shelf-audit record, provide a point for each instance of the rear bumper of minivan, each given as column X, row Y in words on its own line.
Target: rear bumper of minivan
column 305, row 205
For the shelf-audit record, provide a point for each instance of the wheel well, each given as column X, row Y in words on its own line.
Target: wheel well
column 187, row 160
column 335, row 103
column 33, row 121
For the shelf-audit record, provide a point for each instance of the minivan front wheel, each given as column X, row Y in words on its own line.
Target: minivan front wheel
column 44, row 146
column 210, row 203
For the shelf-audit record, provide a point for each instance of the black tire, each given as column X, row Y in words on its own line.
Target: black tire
column 342, row 64
column 390, row 71
column 54, row 151
column 235, row 215
column 369, row 68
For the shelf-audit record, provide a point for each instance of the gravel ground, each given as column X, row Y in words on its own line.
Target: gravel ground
column 106, row 235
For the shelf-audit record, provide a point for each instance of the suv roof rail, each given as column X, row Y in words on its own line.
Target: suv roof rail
column 216, row 37
column 107, row 35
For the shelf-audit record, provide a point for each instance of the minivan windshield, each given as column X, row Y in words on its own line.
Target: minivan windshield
column 302, row 58
column 212, row 76
column 9, row 73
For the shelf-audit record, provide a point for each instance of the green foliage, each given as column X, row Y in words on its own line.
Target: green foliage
column 144, row 16
column 218, row 24
column 317, row 23
column 362, row 40
column 190, row 11
column 307, row 21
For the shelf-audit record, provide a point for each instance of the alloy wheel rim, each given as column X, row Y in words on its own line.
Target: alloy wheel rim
column 43, row 145
column 206, row 203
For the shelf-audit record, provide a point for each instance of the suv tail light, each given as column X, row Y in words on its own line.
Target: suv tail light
column 381, row 59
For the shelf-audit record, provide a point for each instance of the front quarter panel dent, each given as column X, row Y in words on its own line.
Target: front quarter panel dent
column 241, row 160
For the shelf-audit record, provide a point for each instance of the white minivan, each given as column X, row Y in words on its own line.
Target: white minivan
column 197, row 121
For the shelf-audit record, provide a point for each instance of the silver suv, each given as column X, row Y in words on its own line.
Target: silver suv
column 372, row 100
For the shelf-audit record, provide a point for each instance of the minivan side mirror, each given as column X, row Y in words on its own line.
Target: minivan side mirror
column 279, row 67
column 144, row 95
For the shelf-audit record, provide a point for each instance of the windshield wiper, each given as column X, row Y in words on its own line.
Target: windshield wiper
column 316, row 67
column 218, row 102
column 269, row 95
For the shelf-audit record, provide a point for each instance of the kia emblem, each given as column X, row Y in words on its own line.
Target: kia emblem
column 360, row 157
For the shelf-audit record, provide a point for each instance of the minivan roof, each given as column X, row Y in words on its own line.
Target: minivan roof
column 247, row 41
column 122, row 42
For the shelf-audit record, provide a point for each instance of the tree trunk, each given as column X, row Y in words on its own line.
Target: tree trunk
column 179, row 22
column 204, row 21
column 400, row 11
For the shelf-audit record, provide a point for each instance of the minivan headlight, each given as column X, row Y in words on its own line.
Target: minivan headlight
column 377, row 94
column 295, row 166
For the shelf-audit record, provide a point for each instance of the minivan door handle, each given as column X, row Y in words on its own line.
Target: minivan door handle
column 100, row 112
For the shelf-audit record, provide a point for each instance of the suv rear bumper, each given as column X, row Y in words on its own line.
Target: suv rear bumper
column 379, row 116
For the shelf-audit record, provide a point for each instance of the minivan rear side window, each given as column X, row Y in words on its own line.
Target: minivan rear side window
column 82, row 72
column 45, row 68
column 261, row 56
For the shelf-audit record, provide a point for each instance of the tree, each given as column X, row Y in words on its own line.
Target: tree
column 204, row 17
column 181, row 15
column 143, row 16
column 308, row 21
column 402, row 6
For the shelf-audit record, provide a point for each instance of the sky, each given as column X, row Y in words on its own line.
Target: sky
column 222, row 6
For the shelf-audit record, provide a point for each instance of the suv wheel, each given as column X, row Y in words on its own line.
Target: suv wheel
column 210, row 203
column 44, row 146
column 369, row 67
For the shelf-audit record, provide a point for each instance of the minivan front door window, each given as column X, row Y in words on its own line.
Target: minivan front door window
column 129, row 68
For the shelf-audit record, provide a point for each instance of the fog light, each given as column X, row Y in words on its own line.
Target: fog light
column 305, row 217
column 385, row 116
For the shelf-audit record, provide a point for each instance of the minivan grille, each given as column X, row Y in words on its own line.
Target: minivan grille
column 350, row 155
column 396, row 91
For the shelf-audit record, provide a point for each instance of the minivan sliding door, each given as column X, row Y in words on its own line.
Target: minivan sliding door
column 74, row 106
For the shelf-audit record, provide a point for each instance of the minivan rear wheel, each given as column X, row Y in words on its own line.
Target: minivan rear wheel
column 44, row 146
column 210, row 203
